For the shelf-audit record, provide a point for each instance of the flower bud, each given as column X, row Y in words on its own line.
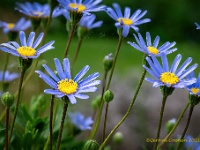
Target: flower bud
column 108, row 96
column 108, row 62
column 7, row 99
column 117, row 138
column 96, row 102
column 170, row 124
column 91, row 145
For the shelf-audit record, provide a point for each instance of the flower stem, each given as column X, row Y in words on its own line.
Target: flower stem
column 105, row 121
column 62, row 124
column 187, row 125
column 175, row 126
column 98, row 119
column 51, row 122
column 4, row 70
column 127, row 112
column 71, row 33
column 7, row 123
column 77, row 51
column 18, row 101
column 160, row 121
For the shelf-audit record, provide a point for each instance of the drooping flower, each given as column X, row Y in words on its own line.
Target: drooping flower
column 80, row 121
column 82, row 6
column 27, row 49
column 20, row 25
column 127, row 21
column 191, row 144
column 194, row 88
column 87, row 21
column 63, row 84
column 37, row 10
column 170, row 77
column 8, row 77
column 198, row 26
column 150, row 48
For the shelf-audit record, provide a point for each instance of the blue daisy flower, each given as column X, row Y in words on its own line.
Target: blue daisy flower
column 8, row 77
column 194, row 88
column 87, row 21
column 198, row 26
column 27, row 48
column 20, row 25
column 126, row 21
column 64, row 85
column 150, row 48
column 191, row 144
column 80, row 6
column 80, row 121
column 37, row 10
column 170, row 77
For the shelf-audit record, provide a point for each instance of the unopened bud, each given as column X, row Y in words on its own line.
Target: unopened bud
column 108, row 62
column 91, row 145
column 96, row 102
column 7, row 99
column 118, row 138
column 170, row 124
column 108, row 96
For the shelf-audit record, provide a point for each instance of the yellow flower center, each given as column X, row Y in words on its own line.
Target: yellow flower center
column 38, row 14
column 194, row 90
column 67, row 86
column 10, row 25
column 125, row 21
column 26, row 51
column 153, row 50
column 79, row 7
column 169, row 78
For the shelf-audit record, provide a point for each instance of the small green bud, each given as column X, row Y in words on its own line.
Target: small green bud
column 108, row 62
column 7, row 99
column 91, row 145
column 108, row 96
column 82, row 31
column 117, row 138
column 170, row 124
column 96, row 102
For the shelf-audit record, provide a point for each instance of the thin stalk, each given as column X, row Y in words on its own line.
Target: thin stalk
column 17, row 101
column 4, row 70
column 114, row 61
column 127, row 112
column 80, row 40
column 175, row 126
column 105, row 121
column 7, row 124
column 187, row 125
column 62, row 124
column 160, row 121
column 71, row 33
column 98, row 119
column 51, row 122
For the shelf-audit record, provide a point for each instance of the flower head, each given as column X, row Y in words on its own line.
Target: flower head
column 20, row 25
column 87, row 21
column 37, row 10
column 8, row 77
column 150, row 48
column 198, row 26
column 126, row 21
column 80, row 121
column 170, row 77
column 194, row 88
column 82, row 6
column 27, row 49
column 64, row 85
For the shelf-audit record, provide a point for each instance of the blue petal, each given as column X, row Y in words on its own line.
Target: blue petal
column 176, row 63
column 38, row 40
column 66, row 65
column 30, row 39
column 22, row 38
column 72, row 99
column 59, row 68
column 183, row 66
column 81, row 73
column 51, row 73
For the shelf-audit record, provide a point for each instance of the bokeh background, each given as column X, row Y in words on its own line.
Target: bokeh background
column 172, row 20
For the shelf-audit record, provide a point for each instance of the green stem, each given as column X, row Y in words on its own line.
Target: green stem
column 98, row 119
column 175, row 126
column 7, row 123
column 18, row 101
column 105, row 121
column 51, row 122
column 187, row 125
column 77, row 51
column 127, row 112
column 160, row 121
column 4, row 70
column 62, row 124
column 114, row 61
column 71, row 33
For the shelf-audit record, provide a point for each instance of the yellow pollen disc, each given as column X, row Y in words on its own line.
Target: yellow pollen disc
column 80, row 7
column 169, row 78
column 153, row 50
column 26, row 51
column 39, row 14
column 10, row 25
column 67, row 86
column 194, row 90
column 125, row 21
